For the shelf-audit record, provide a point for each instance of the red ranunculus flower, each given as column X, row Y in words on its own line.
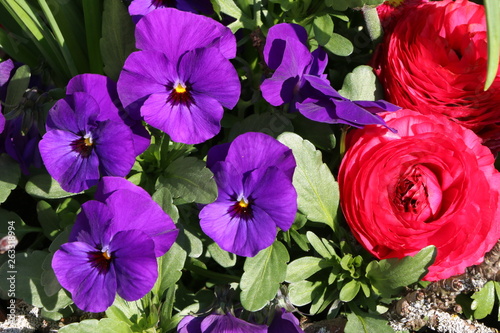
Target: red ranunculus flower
column 391, row 10
column 435, row 60
column 431, row 183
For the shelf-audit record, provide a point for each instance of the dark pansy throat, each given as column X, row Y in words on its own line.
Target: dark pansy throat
column 163, row 3
column 241, row 208
column 180, row 94
column 83, row 146
column 100, row 260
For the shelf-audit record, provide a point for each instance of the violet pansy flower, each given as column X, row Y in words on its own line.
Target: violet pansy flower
column 298, row 79
column 181, row 81
column 138, row 8
column 78, row 148
column 284, row 321
column 113, row 247
column 254, row 179
column 218, row 323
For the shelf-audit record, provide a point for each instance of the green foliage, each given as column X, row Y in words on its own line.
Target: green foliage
column 189, row 180
column 365, row 323
column 318, row 196
column 105, row 325
column 16, row 88
column 389, row 276
column 361, row 85
column 484, row 300
column 492, row 15
column 9, row 176
column 262, row 276
column 45, row 187
column 117, row 40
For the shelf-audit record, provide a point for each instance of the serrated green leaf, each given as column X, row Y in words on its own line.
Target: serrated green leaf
column 493, row 30
column 16, row 88
column 189, row 179
column 105, row 325
column 484, row 300
column 9, row 176
column 117, row 40
column 302, row 268
column 366, row 323
column 223, row 258
column 263, row 274
column 48, row 279
column 189, row 242
column 317, row 190
column 389, row 276
column 349, row 291
column 45, row 187
column 339, row 45
column 323, row 28
column 360, row 84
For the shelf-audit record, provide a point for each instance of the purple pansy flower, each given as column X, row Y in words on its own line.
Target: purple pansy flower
column 298, row 79
column 138, row 8
column 216, row 323
column 79, row 146
column 181, row 81
column 103, row 90
column 254, row 179
column 284, row 321
column 113, row 247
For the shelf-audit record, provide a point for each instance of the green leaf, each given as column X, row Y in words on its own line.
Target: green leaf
column 48, row 279
column 105, row 325
column 319, row 245
column 163, row 197
column 263, row 275
column 26, row 272
column 170, row 266
column 302, row 292
column 189, row 241
column 9, row 176
column 339, row 45
column 349, row 291
column 230, row 8
column 366, row 323
column 323, row 28
column 269, row 123
column 45, row 187
column 48, row 219
column 223, row 258
column 360, row 85
column 117, row 40
column 16, row 88
column 302, row 268
column 361, row 3
column 389, row 276
column 484, row 300
column 317, row 190
column 188, row 179
column 492, row 14
column 340, row 5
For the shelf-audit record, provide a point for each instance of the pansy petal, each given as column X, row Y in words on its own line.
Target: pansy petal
column 109, row 184
column 274, row 193
column 190, row 324
column 74, row 172
column 115, row 148
column 91, row 291
column 134, row 211
column 377, row 106
column 134, row 260
column 217, row 153
column 209, row 73
column 258, row 150
column 227, row 323
column 74, row 113
column 276, row 40
column 91, row 224
column 284, row 322
column 319, row 62
column 2, row 120
column 316, row 87
column 144, row 73
column 180, row 32
column 356, row 115
column 6, row 72
column 102, row 89
column 190, row 125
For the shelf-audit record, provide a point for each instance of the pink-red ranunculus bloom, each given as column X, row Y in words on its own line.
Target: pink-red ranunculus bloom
column 431, row 183
column 434, row 59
